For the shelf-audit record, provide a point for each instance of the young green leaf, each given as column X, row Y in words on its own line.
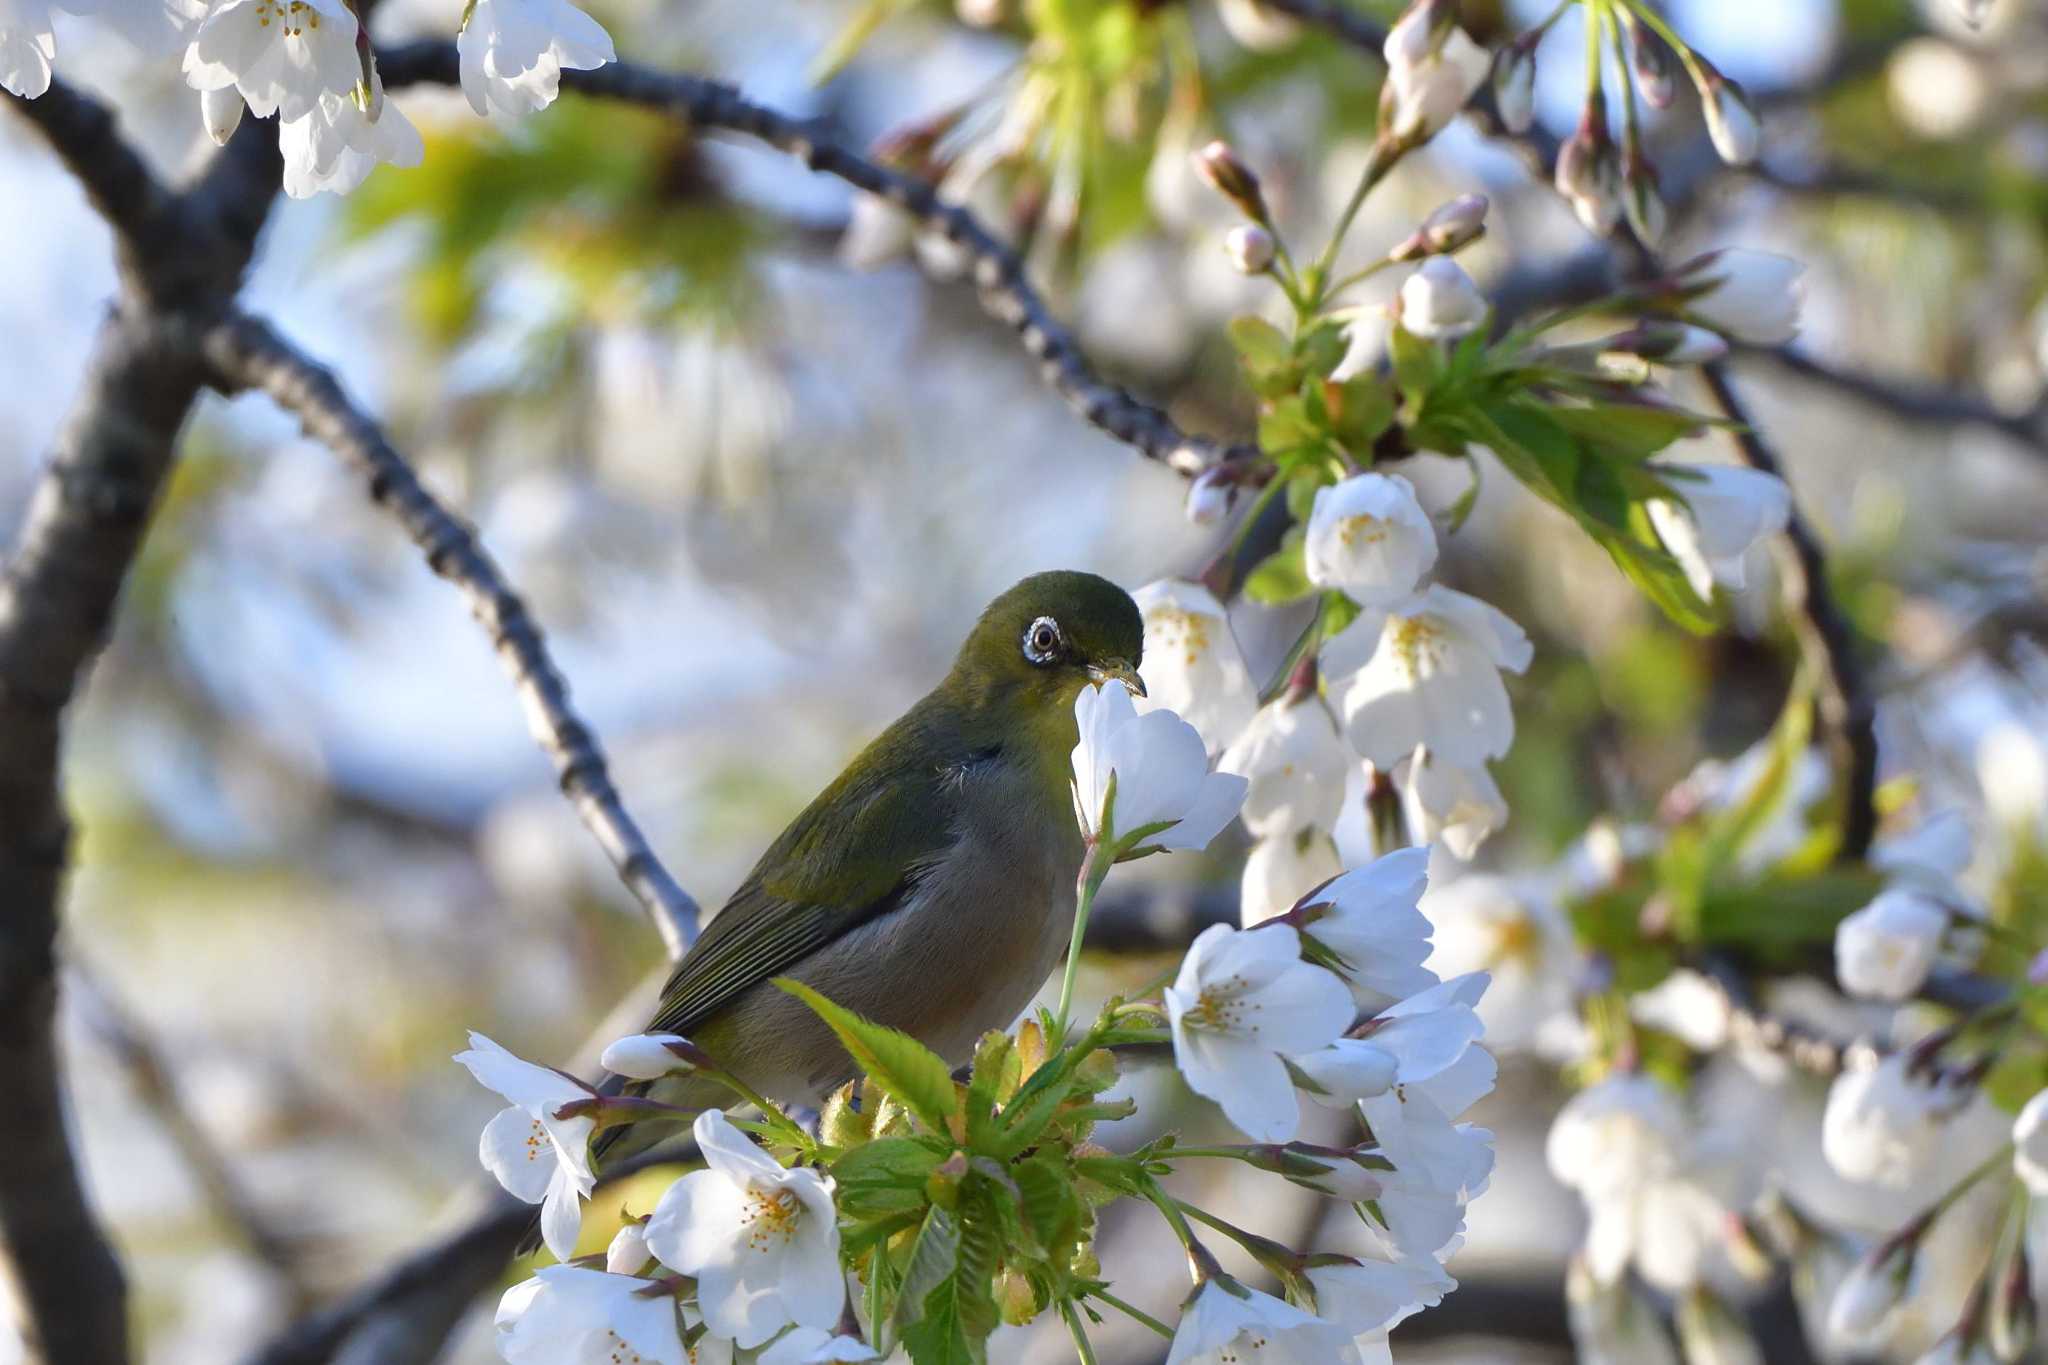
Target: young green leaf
column 1282, row 577
column 901, row 1065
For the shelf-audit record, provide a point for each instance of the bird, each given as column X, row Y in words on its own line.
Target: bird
column 930, row 887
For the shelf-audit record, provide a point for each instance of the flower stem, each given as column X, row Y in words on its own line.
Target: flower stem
column 1082, row 1350
column 1134, row 1313
column 1094, row 869
column 1384, row 155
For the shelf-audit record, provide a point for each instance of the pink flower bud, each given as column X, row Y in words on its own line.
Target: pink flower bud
column 1250, row 248
column 1731, row 121
column 1588, row 173
column 1223, row 172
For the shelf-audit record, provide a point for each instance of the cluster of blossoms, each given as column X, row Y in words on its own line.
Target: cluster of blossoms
column 311, row 64
column 1602, row 181
column 758, row 1251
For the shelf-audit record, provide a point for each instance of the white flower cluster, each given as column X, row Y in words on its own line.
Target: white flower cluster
column 309, row 62
column 1255, row 1011
column 758, row 1242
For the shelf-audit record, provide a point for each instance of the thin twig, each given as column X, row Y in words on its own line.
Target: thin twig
column 1825, row 635
column 155, row 1086
column 246, row 353
column 1918, row 403
column 437, row 1281
column 999, row 272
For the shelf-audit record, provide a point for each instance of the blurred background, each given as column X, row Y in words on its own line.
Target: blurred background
column 757, row 462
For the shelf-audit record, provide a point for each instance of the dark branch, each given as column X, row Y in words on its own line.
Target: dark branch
column 999, row 271
column 157, row 1088
column 58, row 593
column 121, row 187
column 245, row 353
column 1917, row 403
column 1825, row 635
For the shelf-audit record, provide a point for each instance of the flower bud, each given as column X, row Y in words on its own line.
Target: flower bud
column 1440, row 300
column 220, row 110
column 1457, row 223
column 628, row 1253
column 1708, row 1332
column 1731, row 121
column 1588, row 175
column 1872, row 1289
column 1347, row 1071
column 2010, row 1321
column 1514, row 85
column 1752, row 296
column 1210, row 496
column 1649, row 62
column 1647, row 215
column 1339, row 1175
column 1419, row 32
column 1250, row 248
column 647, row 1056
column 1666, row 343
column 1220, row 168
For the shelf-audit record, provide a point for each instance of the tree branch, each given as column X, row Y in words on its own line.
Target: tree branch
column 1917, row 403
column 58, row 593
column 998, row 271
column 1825, row 636
column 245, row 353
column 154, row 1085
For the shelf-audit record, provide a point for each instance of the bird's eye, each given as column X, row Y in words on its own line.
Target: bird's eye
column 1042, row 640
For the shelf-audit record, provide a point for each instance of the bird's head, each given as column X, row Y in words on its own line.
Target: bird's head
column 1044, row 640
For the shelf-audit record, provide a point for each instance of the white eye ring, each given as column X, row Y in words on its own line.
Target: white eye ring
column 1042, row 640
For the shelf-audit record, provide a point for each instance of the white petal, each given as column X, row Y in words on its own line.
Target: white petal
column 561, row 1215
column 518, row 1151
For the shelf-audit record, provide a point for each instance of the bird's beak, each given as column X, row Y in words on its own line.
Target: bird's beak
column 1122, row 671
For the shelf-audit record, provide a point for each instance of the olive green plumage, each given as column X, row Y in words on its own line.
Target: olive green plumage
column 931, row 885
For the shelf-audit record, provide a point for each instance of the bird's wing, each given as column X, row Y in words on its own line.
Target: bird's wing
column 854, row 853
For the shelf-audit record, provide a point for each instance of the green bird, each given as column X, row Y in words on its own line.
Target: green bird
column 930, row 887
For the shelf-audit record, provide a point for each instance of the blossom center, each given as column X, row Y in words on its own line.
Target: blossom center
column 539, row 1146
column 293, row 17
column 1182, row 630
column 620, row 1352
column 1514, row 940
column 1247, row 1345
column 1222, row 1007
column 1417, row 643
column 1361, row 530
column 771, row 1216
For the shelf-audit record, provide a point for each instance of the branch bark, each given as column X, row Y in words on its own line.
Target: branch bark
column 1826, row 638
column 246, row 353
column 999, row 272
column 58, row 593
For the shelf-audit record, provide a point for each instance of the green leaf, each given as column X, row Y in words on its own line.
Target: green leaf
column 1660, row 578
column 1727, row 831
column 1539, row 452
column 1322, row 348
column 1049, row 1203
column 1461, row 510
column 901, row 1065
column 1418, row 365
column 1632, row 431
column 1287, row 426
column 1282, row 577
column 1263, row 346
column 957, row 1312
column 933, row 1257
column 1361, row 409
column 884, row 1176
column 996, row 1073
column 1302, row 486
